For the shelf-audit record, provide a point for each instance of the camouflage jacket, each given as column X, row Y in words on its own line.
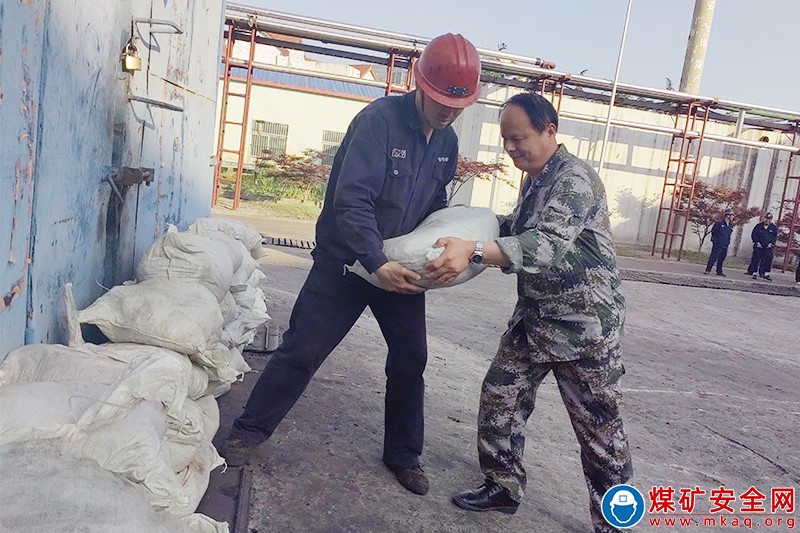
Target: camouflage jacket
column 559, row 242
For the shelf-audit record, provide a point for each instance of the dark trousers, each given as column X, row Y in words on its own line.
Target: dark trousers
column 326, row 309
column 761, row 261
column 718, row 255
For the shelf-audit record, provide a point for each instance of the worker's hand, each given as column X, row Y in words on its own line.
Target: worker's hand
column 394, row 277
column 758, row 245
column 453, row 261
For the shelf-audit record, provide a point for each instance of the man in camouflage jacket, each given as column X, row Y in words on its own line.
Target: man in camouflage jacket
column 568, row 318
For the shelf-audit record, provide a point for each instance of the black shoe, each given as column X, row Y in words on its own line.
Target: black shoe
column 707, row 272
column 766, row 277
column 236, row 452
column 488, row 497
column 413, row 479
column 720, row 274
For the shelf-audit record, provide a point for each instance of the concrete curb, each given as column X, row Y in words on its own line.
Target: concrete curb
column 710, row 282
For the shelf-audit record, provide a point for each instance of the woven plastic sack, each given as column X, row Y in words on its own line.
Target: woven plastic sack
column 415, row 250
column 187, row 257
column 180, row 316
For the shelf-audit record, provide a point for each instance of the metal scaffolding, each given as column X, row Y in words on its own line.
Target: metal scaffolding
column 680, row 177
column 232, row 33
column 400, row 51
column 789, row 211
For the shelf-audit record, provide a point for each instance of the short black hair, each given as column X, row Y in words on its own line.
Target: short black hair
column 539, row 110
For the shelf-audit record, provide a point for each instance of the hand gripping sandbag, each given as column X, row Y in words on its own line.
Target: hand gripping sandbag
column 415, row 250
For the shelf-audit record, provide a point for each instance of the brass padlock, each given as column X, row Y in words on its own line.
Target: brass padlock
column 130, row 58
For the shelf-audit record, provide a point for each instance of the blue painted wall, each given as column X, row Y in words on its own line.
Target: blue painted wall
column 65, row 119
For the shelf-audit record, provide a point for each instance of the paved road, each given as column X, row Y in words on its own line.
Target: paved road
column 710, row 399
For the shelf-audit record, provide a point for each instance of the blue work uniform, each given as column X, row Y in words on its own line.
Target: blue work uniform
column 764, row 238
column 386, row 178
column 720, row 240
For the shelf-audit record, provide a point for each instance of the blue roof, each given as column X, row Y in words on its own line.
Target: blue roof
column 313, row 83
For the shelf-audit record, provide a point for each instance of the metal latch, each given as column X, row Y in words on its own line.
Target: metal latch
column 125, row 176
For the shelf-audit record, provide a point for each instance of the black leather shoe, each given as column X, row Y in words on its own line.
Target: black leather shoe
column 237, row 451
column 413, row 479
column 488, row 497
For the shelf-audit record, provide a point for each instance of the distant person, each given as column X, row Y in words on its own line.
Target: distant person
column 720, row 240
column 568, row 318
column 399, row 154
column 764, row 236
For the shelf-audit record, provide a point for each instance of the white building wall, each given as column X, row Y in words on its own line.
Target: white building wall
column 633, row 171
column 307, row 115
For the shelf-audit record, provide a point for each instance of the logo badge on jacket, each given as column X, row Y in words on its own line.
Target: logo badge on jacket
column 444, row 159
column 397, row 152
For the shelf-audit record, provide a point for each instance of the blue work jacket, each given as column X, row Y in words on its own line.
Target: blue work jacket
column 386, row 178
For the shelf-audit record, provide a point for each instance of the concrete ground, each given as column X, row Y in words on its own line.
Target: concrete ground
column 710, row 399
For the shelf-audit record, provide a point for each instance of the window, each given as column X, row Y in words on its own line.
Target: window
column 268, row 136
column 331, row 140
column 399, row 76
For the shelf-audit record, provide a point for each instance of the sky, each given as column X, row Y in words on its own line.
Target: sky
column 751, row 57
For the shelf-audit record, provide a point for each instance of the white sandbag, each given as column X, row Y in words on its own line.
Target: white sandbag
column 194, row 479
column 237, row 361
column 242, row 330
column 125, row 353
column 244, row 272
column 184, row 434
column 217, row 388
column 187, row 257
column 134, row 447
column 195, row 378
column 47, row 485
column 259, row 280
column 415, row 250
column 228, row 308
column 153, row 377
column 210, row 408
column 180, row 316
column 201, row 523
column 56, row 362
column 241, row 231
column 30, row 411
column 243, row 262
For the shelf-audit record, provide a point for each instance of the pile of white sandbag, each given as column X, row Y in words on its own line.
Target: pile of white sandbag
column 198, row 293
column 89, row 433
column 139, row 412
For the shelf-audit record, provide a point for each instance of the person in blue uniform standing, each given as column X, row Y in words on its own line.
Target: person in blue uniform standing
column 764, row 236
column 720, row 240
column 397, row 157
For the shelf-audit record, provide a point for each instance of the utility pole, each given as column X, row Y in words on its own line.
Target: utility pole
column 698, row 43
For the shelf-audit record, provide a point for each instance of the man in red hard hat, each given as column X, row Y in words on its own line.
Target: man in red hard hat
column 389, row 173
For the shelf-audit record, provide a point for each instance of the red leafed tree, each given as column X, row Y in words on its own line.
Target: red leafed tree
column 467, row 170
column 281, row 175
column 298, row 170
column 710, row 203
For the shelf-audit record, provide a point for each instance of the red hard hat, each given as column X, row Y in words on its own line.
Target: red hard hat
column 449, row 71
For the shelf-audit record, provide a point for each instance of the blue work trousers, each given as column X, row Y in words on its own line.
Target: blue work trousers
column 326, row 309
column 718, row 255
column 761, row 262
